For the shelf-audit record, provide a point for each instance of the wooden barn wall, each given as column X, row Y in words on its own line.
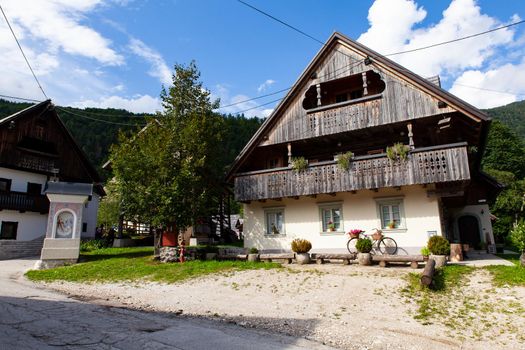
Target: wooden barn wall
column 69, row 163
column 400, row 101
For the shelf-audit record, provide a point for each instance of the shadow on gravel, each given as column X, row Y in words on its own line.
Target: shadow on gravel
column 32, row 323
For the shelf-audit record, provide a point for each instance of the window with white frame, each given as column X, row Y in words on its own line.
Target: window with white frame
column 274, row 221
column 331, row 217
column 391, row 214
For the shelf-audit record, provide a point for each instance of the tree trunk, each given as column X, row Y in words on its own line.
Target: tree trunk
column 157, row 239
column 428, row 273
column 522, row 259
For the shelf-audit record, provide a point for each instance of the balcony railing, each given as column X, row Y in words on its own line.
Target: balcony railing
column 424, row 166
column 22, row 201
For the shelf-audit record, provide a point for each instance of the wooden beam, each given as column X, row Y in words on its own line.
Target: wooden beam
column 295, row 197
column 262, row 200
column 398, row 188
column 374, row 190
column 332, row 194
column 277, row 199
column 312, row 196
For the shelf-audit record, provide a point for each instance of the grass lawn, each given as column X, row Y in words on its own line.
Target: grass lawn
column 136, row 264
column 508, row 275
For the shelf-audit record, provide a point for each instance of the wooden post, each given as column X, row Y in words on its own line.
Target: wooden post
column 428, row 273
column 365, row 84
column 289, row 146
column 410, row 136
column 318, row 87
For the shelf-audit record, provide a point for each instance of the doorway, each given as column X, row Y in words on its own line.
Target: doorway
column 469, row 231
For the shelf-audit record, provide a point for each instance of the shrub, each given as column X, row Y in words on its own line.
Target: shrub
column 363, row 245
column 517, row 236
column 254, row 250
column 301, row 246
column 299, row 164
column 344, row 160
column 87, row 245
column 425, row 251
column 438, row 245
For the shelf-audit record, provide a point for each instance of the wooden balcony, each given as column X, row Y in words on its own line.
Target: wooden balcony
column 22, row 202
column 428, row 165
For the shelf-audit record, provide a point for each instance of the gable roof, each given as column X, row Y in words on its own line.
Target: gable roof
column 422, row 83
column 48, row 107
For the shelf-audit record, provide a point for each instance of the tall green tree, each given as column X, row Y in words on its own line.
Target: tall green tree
column 505, row 151
column 170, row 171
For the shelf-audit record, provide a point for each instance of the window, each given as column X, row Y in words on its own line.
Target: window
column 5, row 185
column 33, row 188
column 391, row 214
column 84, row 227
column 273, row 163
column 331, row 217
column 8, row 230
column 274, row 218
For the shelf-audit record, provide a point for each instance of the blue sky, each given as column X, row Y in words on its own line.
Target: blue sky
column 111, row 53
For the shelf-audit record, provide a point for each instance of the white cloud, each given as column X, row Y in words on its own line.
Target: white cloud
column 494, row 87
column 248, row 108
column 395, row 25
column 159, row 68
column 265, row 85
column 137, row 104
column 57, row 24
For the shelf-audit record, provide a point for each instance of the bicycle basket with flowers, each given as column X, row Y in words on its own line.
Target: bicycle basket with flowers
column 355, row 233
column 377, row 235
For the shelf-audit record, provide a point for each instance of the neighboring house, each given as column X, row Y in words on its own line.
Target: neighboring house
column 36, row 147
column 351, row 98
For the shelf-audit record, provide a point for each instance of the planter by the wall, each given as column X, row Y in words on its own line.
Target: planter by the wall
column 441, row 260
column 302, row 258
column 364, row 259
column 253, row 257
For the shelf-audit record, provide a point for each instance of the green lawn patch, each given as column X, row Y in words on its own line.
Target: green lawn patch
column 508, row 275
column 137, row 264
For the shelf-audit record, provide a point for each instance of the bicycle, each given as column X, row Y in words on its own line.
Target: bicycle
column 382, row 244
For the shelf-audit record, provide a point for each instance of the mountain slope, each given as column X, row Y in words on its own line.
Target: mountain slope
column 512, row 115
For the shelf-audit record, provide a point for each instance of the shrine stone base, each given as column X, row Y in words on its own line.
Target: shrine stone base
column 52, row 263
column 57, row 252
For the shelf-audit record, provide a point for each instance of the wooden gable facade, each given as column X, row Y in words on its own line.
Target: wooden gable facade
column 351, row 98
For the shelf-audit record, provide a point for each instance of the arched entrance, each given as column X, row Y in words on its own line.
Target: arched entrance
column 469, row 230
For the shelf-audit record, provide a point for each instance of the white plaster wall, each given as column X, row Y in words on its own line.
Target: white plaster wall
column 483, row 219
column 21, row 178
column 89, row 216
column 302, row 220
column 30, row 225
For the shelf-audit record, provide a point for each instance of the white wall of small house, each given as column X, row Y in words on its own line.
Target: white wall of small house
column 19, row 179
column 359, row 211
column 30, row 225
column 482, row 213
column 89, row 216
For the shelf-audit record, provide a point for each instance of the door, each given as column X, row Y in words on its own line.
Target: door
column 469, row 230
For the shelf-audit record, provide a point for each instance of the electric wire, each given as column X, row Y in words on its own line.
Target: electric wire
column 23, row 54
column 19, row 98
column 94, row 119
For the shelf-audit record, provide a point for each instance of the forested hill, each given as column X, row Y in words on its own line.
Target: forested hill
column 512, row 115
column 95, row 137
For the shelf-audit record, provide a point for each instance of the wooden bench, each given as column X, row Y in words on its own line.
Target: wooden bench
column 286, row 257
column 321, row 257
column 414, row 260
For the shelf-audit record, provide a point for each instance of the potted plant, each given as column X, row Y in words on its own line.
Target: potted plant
column 331, row 226
column 397, row 152
column 301, row 247
column 344, row 160
column 364, row 247
column 439, row 248
column 253, row 254
column 299, row 164
column 425, row 252
column 392, row 225
column 355, row 233
column 517, row 237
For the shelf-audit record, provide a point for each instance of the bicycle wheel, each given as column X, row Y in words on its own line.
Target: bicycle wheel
column 351, row 245
column 387, row 246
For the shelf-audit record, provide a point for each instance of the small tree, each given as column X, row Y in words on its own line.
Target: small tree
column 517, row 237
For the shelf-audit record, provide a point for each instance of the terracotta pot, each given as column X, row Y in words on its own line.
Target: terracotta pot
column 253, row 257
column 441, row 260
column 364, row 259
column 302, row 258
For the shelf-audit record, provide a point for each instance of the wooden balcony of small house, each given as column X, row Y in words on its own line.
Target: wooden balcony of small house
column 436, row 164
column 22, row 201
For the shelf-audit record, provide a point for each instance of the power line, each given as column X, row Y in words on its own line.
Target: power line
column 490, row 90
column 94, row 119
column 19, row 98
column 457, row 39
column 23, row 54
